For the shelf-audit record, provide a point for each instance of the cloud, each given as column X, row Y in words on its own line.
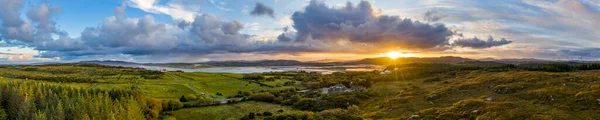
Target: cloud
column 120, row 12
column 177, row 9
column 219, row 5
column 3, row 53
column 37, row 29
column 261, row 9
column 479, row 43
column 206, row 34
column 433, row 16
column 350, row 28
column 13, row 27
column 581, row 53
column 285, row 21
column 20, row 57
column 362, row 24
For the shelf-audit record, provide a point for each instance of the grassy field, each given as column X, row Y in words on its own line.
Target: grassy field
column 225, row 83
column 171, row 85
column 483, row 95
column 227, row 112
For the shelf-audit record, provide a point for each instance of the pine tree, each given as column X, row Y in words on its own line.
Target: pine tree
column 183, row 99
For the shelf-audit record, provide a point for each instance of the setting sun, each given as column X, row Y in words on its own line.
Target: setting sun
column 396, row 54
column 393, row 54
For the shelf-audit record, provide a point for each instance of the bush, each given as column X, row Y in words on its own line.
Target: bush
column 204, row 101
column 267, row 114
column 306, row 104
column 253, row 77
column 294, row 116
column 338, row 114
column 172, row 105
column 191, row 97
column 265, row 97
column 251, row 115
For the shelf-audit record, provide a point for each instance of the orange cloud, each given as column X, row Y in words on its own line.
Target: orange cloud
column 20, row 57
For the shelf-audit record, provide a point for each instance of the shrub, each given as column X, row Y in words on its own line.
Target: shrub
column 191, row 97
column 251, row 115
column 267, row 114
column 265, row 97
column 253, row 77
column 306, row 104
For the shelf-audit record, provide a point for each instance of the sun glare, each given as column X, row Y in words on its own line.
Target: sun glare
column 393, row 54
column 397, row 54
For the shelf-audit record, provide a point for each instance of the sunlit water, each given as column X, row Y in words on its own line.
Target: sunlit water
column 319, row 69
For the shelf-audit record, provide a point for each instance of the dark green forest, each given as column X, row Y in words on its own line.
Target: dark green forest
column 29, row 101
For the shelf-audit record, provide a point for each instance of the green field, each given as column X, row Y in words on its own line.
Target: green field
column 170, row 85
column 227, row 112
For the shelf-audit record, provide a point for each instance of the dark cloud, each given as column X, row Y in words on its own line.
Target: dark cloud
column 586, row 54
column 261, row 9
column 479, row 43
column 583, row 53
column 433, row 16
column 361, row 24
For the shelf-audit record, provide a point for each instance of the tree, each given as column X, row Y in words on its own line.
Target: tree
column 251, row 115
column 183, row 98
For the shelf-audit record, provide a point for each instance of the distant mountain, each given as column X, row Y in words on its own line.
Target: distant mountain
column 325, row 62
column 389, row 61
column 517, row 61
column 328, row 61
column 44, row 63
column 112, row 63
column 255, row 63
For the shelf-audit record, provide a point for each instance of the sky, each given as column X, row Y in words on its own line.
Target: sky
column 161, row 31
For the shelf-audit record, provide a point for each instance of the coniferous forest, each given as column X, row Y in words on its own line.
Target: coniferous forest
column 27, row 100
